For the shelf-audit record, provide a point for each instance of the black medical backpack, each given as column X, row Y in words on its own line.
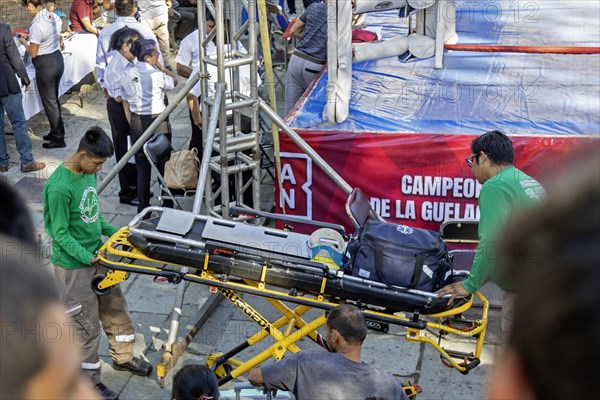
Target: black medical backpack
column 399, row 255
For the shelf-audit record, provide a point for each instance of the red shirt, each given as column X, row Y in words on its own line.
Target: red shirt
column 79, row 10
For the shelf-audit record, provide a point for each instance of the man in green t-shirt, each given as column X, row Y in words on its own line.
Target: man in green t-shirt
column 72, row 219
column 505, row 190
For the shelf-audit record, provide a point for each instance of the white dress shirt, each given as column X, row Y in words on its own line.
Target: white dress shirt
column 103, row 52
column 45, row 31
column 145, row 87
column 116, row 70
column 188, row 54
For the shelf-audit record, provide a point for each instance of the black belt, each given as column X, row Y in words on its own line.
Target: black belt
column 309, row 58
column 145, row 115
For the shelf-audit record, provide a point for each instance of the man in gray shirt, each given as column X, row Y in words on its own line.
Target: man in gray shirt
column 339, row 375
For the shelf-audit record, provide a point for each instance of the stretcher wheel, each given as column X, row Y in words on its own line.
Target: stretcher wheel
column 176, row 279
column 95, row 282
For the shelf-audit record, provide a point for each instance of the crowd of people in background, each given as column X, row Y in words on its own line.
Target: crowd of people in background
column 171, row 25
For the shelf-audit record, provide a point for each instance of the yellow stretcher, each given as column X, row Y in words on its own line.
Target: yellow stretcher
column 275, row 264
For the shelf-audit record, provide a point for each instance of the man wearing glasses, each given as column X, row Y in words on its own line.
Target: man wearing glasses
column 506, row 190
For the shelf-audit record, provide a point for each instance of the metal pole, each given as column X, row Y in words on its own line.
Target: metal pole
column 135, row 147
column 440, row 33
column 305, row 147
column 254, row 95
column 207, row 152
column 220, row 27
column 177, row 310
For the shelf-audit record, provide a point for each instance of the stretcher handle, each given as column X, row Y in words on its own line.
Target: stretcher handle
column 237, row 211
column 470, row 366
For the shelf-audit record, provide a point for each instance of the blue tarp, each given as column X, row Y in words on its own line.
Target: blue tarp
column 519, row 93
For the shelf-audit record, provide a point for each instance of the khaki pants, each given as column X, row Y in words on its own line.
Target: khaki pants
column 87, row 310
column 508, row 314
column 160, row 27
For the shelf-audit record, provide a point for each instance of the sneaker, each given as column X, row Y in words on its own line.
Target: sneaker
column 405, row 57
column 106, row 393
column 4, row 168
column 32, row 166
column 136, row 366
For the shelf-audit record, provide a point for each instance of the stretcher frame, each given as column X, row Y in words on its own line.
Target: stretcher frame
column 122, row 258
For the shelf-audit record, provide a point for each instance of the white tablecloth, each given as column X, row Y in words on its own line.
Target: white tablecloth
column 80, row 58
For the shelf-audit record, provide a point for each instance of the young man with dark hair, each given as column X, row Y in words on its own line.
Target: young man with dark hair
column 505, row 191
column 39, row 359
column 339, row 374
column 72, row 219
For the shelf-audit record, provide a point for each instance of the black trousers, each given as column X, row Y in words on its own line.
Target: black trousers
column 119, row 127
column 292, row 6
column 184, row 24
column 138, row 125
column 196, row 138
column 49, row 69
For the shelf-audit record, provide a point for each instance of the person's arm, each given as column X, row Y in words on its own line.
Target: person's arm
column 101, row 60
column 298, row 29
column 89, row 26
column 194, row 106
column 59, row 228
column 107, row 229
column 170, row 79
column 14, row 58
column 97, row 6
column 255, row 377
column 31, row 48
column 128, row 93
column 108, row 5
column 280, row 375
column 127, row 110
column 494, row 210
column 184, row 71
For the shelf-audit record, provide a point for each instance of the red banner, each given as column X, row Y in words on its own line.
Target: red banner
column 414, row 179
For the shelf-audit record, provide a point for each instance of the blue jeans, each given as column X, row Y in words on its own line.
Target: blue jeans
column 13, row 105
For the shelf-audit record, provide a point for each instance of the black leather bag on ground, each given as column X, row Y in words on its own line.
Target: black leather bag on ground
column 399, row 255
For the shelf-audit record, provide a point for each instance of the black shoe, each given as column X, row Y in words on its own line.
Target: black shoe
column 106, row 393
column 54, row 145
column 47, row 137
column 136, row 366
column 132, row 202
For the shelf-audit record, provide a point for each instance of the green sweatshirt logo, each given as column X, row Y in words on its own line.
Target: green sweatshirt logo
column 89, row 205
